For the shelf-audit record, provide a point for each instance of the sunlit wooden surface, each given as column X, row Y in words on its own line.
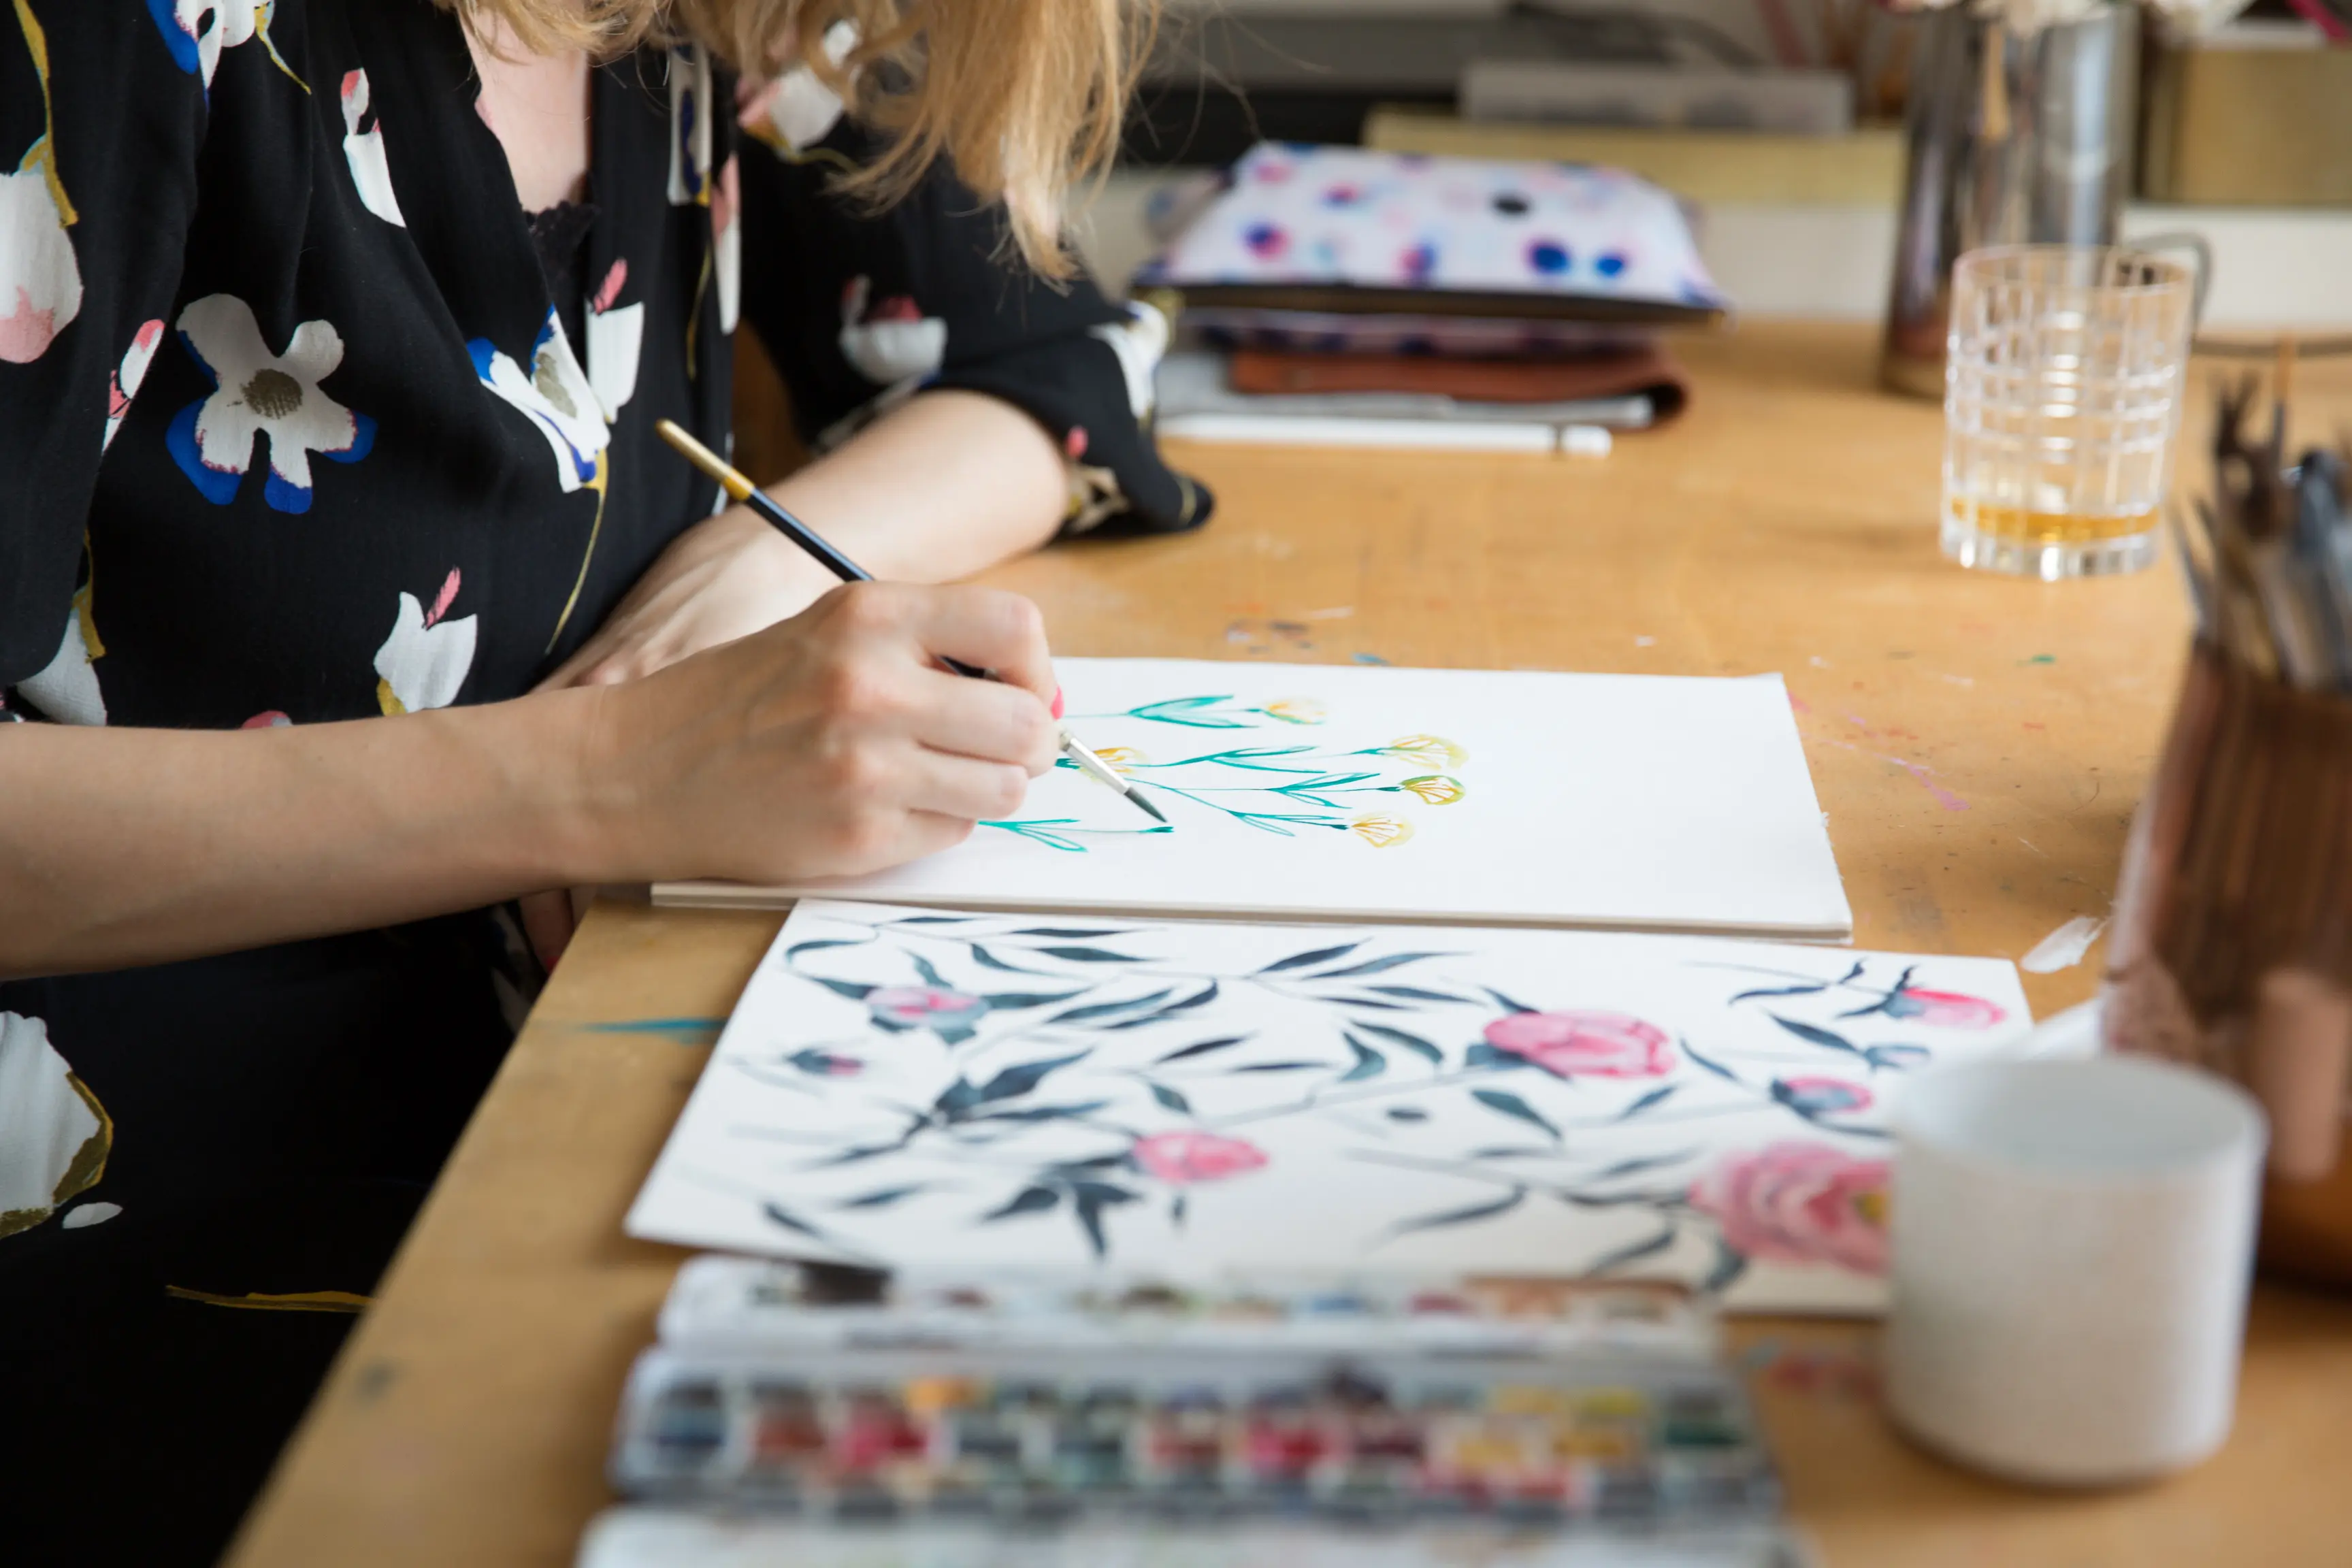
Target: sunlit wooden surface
column 1978, row 743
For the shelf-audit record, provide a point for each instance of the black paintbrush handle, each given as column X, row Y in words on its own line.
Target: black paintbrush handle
column 833, row 561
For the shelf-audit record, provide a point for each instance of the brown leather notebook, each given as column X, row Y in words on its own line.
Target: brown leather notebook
column 1642, row 372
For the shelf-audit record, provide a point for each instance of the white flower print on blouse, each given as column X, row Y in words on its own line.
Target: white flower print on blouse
column 794, row 112
column 425, row 660
column 555, row 394
column 1140, row 342
column 615, row 332
column 363, row 151
column 123, row 384
column 892, row 342
column 40, row 281
column 261, row 394
column 727, row 242
column 690, row 89
column 196, row 31
column 68, row 690
column 53, row 1135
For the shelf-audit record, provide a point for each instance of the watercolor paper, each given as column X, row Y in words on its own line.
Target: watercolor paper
column 994, row 1092
column 1313, row 792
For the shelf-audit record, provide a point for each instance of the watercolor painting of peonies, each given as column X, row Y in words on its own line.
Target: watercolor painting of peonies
column 1318, row 791
column 1179, row 1101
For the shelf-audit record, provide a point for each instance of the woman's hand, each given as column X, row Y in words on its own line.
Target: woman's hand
column 724, row 578
column 830, row 745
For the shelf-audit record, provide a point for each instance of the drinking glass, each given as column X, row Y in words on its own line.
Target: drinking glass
column 2063, row 383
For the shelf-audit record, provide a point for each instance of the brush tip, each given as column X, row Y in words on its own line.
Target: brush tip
column 1137, row 796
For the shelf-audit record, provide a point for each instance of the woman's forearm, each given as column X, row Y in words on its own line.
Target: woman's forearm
column 124, row 846
column 947, row 485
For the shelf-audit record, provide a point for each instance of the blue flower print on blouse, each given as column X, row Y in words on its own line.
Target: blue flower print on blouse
column 259, row 393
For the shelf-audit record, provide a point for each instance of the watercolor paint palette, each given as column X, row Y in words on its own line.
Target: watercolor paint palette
column 1523, row 1404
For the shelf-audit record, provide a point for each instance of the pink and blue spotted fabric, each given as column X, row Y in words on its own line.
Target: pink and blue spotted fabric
column 1348, row 217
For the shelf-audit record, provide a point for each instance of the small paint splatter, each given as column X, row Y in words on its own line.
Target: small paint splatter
column 1367, row 658
column 1799, row 703
column 1548, row 257
column 1645, row 642
column 1265, row 241
column 1818, row 662
column 1959, row 680
column 685, row 1031
column 1609, row 263
column 1926, row 777
column 2041, row 659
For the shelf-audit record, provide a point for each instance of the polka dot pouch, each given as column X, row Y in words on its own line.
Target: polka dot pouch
column 1345, row 228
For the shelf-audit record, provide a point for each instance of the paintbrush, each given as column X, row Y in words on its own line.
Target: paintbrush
column 741, row 489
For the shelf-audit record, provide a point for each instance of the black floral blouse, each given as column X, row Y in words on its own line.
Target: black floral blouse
column 302, row 418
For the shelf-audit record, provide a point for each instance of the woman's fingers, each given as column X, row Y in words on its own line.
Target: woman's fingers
column 989, row 628
column 982, row 719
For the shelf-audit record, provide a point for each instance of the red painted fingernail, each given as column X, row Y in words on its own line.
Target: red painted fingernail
column 1057, row 702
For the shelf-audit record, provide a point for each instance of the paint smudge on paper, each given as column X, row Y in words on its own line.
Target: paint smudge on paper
column 2063, row 947
column 685, row 1031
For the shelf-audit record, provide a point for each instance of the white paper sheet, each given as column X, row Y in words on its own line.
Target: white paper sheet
column 1314, row 792
column 1188, row 1099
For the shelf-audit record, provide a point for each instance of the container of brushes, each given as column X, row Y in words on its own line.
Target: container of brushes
column 2233, row 942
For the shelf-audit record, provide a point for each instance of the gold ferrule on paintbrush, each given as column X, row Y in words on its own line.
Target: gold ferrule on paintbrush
column 730, row 479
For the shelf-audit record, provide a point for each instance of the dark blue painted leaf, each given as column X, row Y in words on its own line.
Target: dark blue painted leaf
column 1512, row 1151
column 1081, row 932
column 1413, row 1042
column 1171, row 1100
column 1029, row 1200
column 1897, row 1057
column 1177, row 1206
column 1718, row 1069
column 933, row 920
column 1105, row 1009
column 1376, row 1002
column 1198, row 999
column 1012, row 1001
column 1407, row 1113
column 1815, row 1035
column 1508, row 1006
column 1504, row 1101
column 1645, row 1248
column 1416, row 993
column 1282, row 1066
column 1094, row 1165
column 785, row 1217
column 1470, row 1215
column 1729, row 1265
column 1370, row 1063
column 1315, row 955
column 931, row 976
column 1042, row 1112
column 1623, row 1168
column 801, row 947
column 957, row 1098
column 987, row 959
column 884, row 1198
column 1647, row 1101
column 1379, row 965
column 1483, row 1055
column 1087, row 954
column 853, row 1156
column 1813, row 989
column 849, row 988
column 1089, row 1198
column 1201, row 1049
column 1021, row 1079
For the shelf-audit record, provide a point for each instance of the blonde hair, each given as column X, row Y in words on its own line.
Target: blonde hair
column 1022, row 97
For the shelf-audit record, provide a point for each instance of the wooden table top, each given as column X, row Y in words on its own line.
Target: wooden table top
column 1978, row 742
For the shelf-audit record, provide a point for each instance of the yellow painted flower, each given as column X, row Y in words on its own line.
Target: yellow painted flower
column 1380, row 830
column 1437, row 789
column 1122, row 759
column 1429, row 751
column 1295, row 711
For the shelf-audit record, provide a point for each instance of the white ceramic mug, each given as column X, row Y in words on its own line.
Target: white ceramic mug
column 2072, row 1245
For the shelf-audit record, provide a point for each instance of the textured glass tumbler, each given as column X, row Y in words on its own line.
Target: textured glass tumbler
column 2063, row 383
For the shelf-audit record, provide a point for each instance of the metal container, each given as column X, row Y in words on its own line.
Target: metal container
column 2012, row 139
